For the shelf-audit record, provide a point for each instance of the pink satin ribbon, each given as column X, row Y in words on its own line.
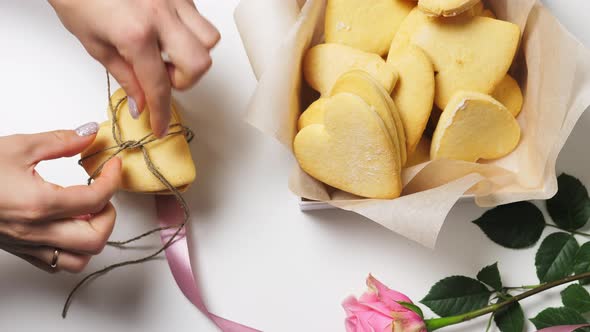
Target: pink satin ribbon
column 170, row 213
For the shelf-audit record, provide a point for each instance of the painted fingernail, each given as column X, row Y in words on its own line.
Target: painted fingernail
column 133, row 108
column 88, row 129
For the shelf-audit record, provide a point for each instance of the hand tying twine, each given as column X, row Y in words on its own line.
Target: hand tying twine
column 130, row 145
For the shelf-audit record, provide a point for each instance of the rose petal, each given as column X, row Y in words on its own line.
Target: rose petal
column 350, row 304
column 373, row 321
column 351, row 324
column 378, row 310
column 366, row 317
column 409, row 321
column 388, row 296
column 385, row 292
column 379, row 307
column 369, row 297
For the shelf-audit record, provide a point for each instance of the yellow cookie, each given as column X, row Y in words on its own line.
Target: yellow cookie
column 446, row 7
column 415, row 19
column 363, row 85
column 474, row 126
column 509, row 94
column 313, row 114
column 324, row 63
column 471, row 53
column 366, row 25
column 119, row 95
column 351, row 151
column 414, row 91
column 171, row 155
column 421, row 154
column 477, row 9
column 488, row 13
column 399, row 126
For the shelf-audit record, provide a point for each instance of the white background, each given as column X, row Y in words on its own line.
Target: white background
column 259, row 259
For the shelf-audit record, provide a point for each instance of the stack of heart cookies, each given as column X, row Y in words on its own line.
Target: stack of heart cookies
column 391, row 68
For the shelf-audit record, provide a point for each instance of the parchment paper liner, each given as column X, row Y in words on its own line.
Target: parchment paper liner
column 553, row 70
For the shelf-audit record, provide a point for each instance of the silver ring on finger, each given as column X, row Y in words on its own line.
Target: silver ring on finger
column 55, row 258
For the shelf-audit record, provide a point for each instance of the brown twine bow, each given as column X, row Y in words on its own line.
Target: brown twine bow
column 130, row 145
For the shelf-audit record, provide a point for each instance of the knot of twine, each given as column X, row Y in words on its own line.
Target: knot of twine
column 121, row 145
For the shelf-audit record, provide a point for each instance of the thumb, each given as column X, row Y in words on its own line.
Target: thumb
column 60, row 143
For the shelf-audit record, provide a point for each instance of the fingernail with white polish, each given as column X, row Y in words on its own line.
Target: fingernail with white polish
column 133, row 108
column 88, row 129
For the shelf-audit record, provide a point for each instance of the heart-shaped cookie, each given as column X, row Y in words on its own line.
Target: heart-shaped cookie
column 509, row 94
column 468, row 53
column 446, row 7
column 171, row 155
column 351, row 150
column 365, row 25
column 313, row 114
column 325, row 63
column 414, row 92
column 363, row 85
column 474, row 126
column 415, row 19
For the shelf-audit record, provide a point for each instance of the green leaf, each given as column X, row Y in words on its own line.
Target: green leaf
column 557, row 316
column 490, row 275
column 457, row 295
column 582, row 262
column 517, row 225
column 576, row 297
column 570, row 208
column 510, row 319
column 555, row 257
column 412, row 307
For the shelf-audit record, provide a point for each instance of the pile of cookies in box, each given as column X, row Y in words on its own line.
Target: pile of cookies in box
column 391, row 69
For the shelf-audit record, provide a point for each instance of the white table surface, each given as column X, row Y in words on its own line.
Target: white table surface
column 260, row 260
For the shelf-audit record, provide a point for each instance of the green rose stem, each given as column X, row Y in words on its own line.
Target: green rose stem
column 522, row 287
column 438, row 323
column 573, row 232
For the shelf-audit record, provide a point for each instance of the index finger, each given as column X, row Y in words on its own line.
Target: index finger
column 152, row 74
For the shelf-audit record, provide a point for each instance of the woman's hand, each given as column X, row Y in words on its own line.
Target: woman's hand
column 37, row 217
column 129, row 36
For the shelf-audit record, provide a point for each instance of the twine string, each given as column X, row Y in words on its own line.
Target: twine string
column 121, row 145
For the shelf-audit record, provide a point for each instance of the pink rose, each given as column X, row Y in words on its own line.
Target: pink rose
column 379, row 309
